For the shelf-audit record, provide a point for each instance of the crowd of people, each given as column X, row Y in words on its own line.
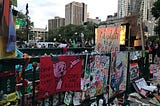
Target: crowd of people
column 152, row 46
column 56, row 44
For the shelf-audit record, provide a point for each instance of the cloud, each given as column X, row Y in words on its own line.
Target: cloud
column 42, row 10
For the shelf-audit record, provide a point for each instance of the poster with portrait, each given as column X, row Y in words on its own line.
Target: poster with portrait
column 59, row 73
column 118, row 72
column 96, row 75
column 134, row 71
column 107, row 39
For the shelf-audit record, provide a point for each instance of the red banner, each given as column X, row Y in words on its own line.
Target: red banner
column 59, row 73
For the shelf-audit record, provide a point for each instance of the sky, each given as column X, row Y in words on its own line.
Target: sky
column 42, row 10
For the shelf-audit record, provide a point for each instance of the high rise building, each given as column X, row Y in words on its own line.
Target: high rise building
column 75, row 13
column 139, row 8
column 146, row 7
column 123, row 8
column 147, row 17
column 135, row 7
column 55, row 23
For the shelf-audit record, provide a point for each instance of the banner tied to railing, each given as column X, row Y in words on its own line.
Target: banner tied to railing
column 59, row 73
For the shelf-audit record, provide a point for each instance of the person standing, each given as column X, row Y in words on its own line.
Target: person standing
column 156, row 50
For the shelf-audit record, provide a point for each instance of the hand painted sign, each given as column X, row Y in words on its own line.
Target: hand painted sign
column 118, row 73
column 107, row 39
column 59, row 73
column 96, row 75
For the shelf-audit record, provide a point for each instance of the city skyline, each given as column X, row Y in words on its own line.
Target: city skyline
column 41, row 11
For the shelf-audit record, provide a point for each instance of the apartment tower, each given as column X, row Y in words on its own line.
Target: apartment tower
column 75, row 13
column 140, row 8
column 123, row 8
column 55, row 23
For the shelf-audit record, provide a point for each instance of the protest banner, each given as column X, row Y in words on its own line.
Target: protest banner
column 107, row 39
column 96, row 75
column 59, row 73
column 118, row 72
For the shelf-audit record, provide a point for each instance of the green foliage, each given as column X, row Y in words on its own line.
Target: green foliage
column 74, row 32
column 157, row 28
column 156, row 9
column 156, row 13
column 21, row 32
column 90, row 30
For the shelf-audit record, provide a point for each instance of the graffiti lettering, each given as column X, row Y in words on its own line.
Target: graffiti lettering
column 73, row 63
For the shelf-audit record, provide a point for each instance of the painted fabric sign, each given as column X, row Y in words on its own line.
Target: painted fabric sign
column 59, row 73
column 96, row 75
column 107, row 39
column 11, row 45
column 4, row 17
column 118, row 73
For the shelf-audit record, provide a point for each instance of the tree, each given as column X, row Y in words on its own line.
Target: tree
column 66, row 32
column 21, row 31
column 156, row 13
column 90, row 30
column 74, row 32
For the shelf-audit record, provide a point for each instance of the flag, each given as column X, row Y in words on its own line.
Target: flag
column 4, row 17
column 11, row 45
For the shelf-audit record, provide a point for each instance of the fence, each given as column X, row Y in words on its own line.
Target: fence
column 42, row 51
column 119, row 71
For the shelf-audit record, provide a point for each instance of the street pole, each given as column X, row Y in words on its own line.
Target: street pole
column 142, row 37
column 27, row 12
column 140, row 22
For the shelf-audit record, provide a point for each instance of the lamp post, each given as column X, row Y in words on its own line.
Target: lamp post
column 27, row 25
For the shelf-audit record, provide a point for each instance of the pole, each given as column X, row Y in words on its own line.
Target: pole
column 27, row 30
column 142, row 37
column 128, row 86
column 27, row 12
column 33, row 83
